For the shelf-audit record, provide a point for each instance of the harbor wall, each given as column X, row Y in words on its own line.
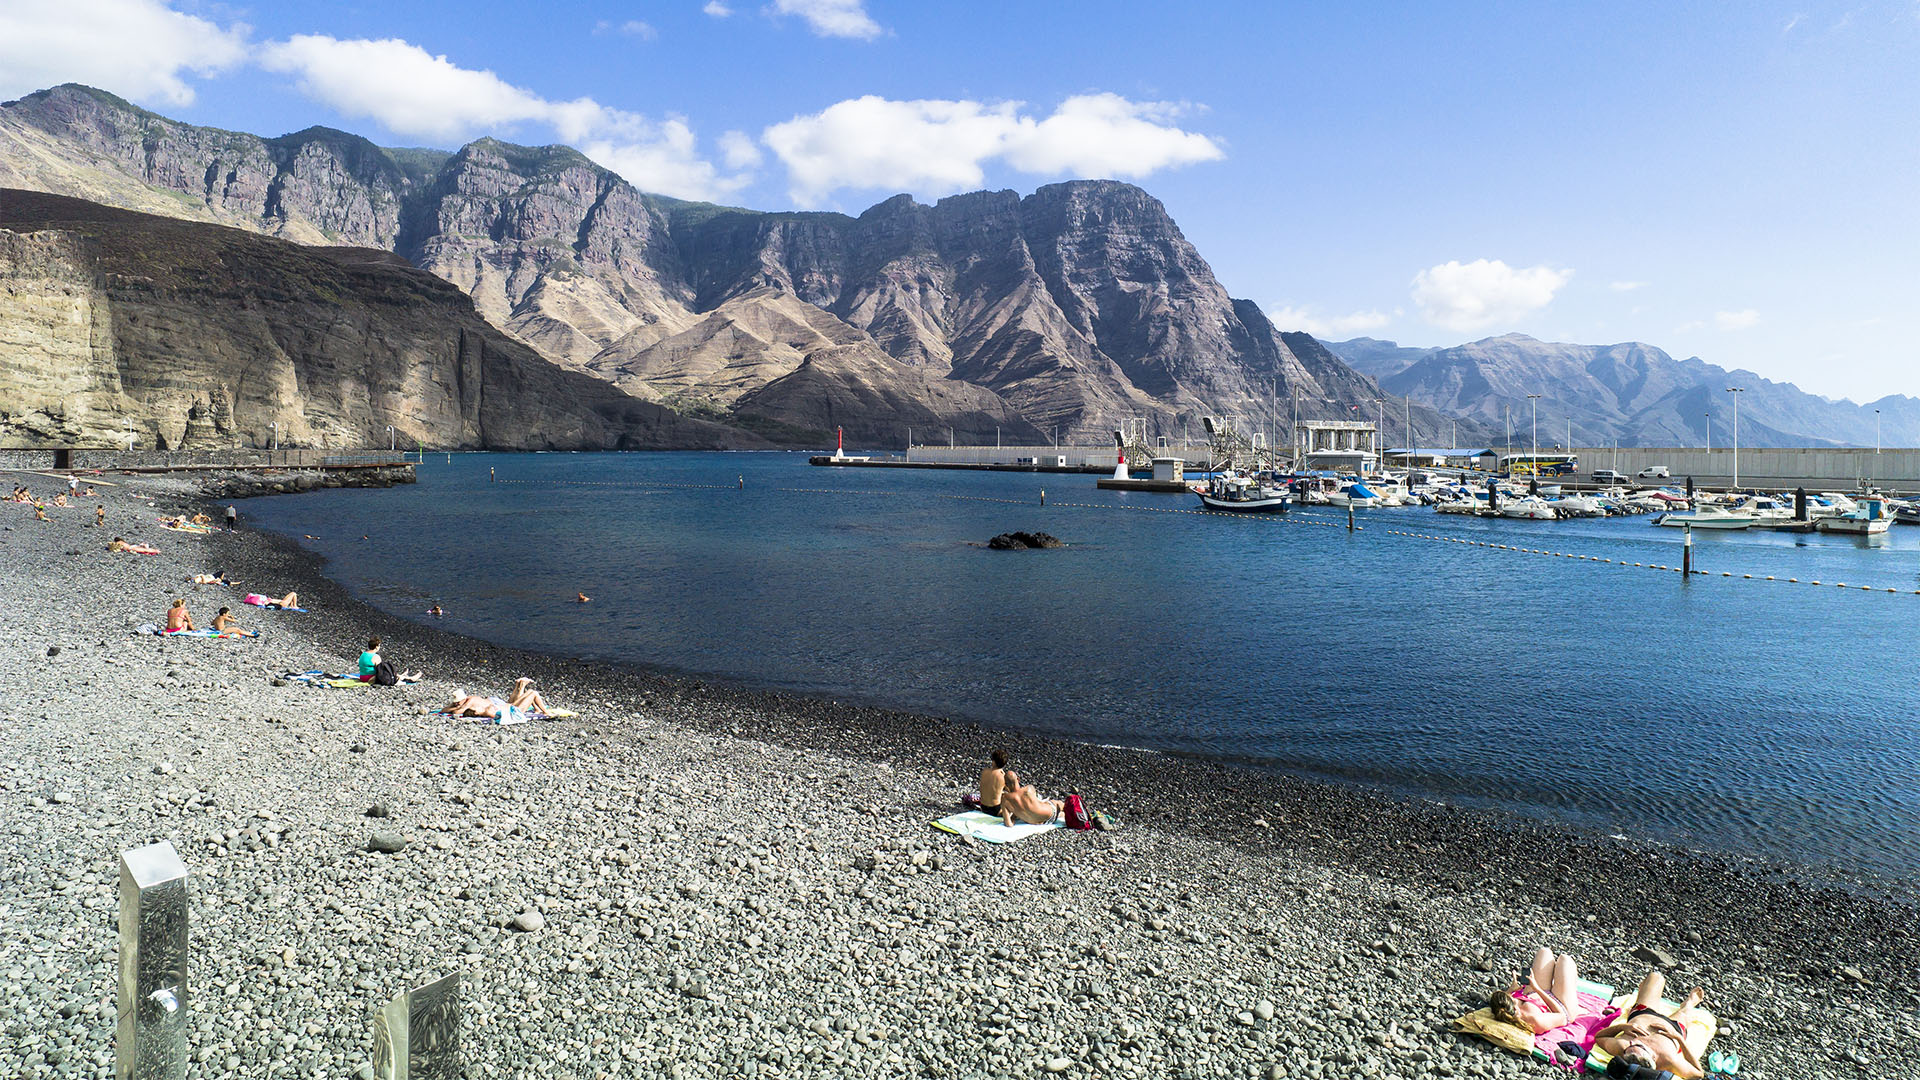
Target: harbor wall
column 1104, row 455
column 1784, row 467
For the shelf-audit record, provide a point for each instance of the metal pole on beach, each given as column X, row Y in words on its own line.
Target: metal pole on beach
column 150, row 1040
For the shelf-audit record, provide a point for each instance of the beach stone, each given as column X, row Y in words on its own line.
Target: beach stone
column 387, row 842
column 1654, row 956
column 1059, row 1065
column 1263, row 1009
column 529, row 921
column 53, row 650
column 61, row 797
column 378, row 810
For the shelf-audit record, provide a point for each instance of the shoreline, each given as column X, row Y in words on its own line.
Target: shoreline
column 1226, row 887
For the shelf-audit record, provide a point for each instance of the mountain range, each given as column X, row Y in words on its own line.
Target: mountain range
column 1054, row 315
column 1631, row 392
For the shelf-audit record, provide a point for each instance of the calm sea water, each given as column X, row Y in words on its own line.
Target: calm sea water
column 1743, row 716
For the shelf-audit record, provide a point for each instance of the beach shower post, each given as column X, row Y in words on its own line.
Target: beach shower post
column 150, row 1041
column 416, row 1036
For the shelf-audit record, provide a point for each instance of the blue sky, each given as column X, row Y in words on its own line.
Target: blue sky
column 1738, row 182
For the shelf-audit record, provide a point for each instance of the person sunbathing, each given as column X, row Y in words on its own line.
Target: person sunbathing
column 177, row 617
column 1545, row 998
column 118, row 545
column 491, row 708
column 1651, row 1038
column 223, row 620
column 60, row 500
column 1021, row 803
column 291, row 600
column 525, row 698
column 218, row 577
column 40, row 511
column 202, row 519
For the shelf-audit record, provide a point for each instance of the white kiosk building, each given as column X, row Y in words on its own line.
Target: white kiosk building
column 1351, row 445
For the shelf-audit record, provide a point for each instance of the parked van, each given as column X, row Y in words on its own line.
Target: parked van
column 1655, row 472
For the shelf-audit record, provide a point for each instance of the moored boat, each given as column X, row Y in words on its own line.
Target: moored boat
column 1242, row 494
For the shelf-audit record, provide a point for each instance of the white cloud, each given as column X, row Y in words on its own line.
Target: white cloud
column 1736, row 320
column 937, row 147
column 830, row 18
column 738, row 150
column 1470, row 296
column 1337, row 326
column 631, row 28
column 717, row 9
column 139, row 49
column 411, row 92
column 1627, row 286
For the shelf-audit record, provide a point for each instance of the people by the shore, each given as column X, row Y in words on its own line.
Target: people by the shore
column 223, row 620
column 488, row 708
column 233, row 518
column 118, row 545
column 60, row 500
column 1653, row 1039
column 218, row 577
column 435, row 611
column 291, row 600
column 1021, row 803
column 993, row 781
column 377, row 670
column 1545, row 998
column 177, row 617
column 525, row 697
column 582, row 598
column 100, row 516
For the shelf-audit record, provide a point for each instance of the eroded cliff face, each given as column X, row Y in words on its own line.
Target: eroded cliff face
column 205, row 337
column 1073, row 308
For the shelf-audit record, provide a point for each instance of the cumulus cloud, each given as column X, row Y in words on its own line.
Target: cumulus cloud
column 140, row 49
column 717, row 9
column 937, row 147
column 1471, row 296
column 1736, row 320
column 1336, row 326
column 738, row 150
column 412, row 92
column 1627, row 286
column 829, row 18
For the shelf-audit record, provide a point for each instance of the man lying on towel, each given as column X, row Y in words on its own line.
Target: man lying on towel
column 1023, row 804
column 1651, row 1038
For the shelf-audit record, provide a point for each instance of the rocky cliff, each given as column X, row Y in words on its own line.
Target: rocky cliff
column 193, row 336
column 1067, row 310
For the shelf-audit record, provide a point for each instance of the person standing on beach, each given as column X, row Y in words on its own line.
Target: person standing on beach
column 100, row 516
column 233, row 518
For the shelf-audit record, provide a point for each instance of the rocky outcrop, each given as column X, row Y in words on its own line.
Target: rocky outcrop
column 197, row 337
column 1068, row 310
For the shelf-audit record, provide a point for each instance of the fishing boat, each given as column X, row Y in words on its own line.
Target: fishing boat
column 1242, row 494
column 1869, row 517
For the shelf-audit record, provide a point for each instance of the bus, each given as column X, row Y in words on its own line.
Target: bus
column 1539, row 464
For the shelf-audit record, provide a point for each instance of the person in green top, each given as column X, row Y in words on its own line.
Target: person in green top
column 370, row 664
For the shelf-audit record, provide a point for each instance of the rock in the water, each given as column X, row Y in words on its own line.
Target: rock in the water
column 1023, row 541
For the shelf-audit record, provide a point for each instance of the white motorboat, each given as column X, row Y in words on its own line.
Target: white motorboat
column 1355, row 494
column 1707, row 517
column 1870, row 517
column 1528, row 508
column 1579, row 506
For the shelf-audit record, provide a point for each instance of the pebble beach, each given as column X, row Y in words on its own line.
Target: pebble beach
column 697, row 880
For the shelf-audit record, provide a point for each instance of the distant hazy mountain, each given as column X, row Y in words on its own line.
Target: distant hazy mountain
column 1632, row 392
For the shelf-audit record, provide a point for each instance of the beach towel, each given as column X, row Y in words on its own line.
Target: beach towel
column 210, row 633
column 991, row 829
column 1701, row 1028
column 1593, row 1015
column 317, row 677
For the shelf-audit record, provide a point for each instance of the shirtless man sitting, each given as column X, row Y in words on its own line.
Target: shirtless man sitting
column 1652, row 1038
column 993, row 782
column 1021, row 803
column 177, row 617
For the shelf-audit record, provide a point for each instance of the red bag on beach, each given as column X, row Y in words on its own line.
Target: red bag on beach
column 1076, row 814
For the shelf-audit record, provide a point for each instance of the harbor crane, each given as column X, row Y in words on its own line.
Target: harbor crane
column 1131, row 441
column 1232, row 448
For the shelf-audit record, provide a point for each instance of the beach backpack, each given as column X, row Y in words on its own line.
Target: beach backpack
column 1076, row 814
column 384, row 675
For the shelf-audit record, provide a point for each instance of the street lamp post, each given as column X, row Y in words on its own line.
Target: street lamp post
column 273, row 435
column 390, row 438
column 1380, row 434
column 1736, row 391
column 1709, row 438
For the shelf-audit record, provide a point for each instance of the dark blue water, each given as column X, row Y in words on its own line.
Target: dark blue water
column 1743, row 716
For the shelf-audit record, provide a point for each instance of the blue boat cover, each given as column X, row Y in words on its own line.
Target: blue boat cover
column 1359, row 491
